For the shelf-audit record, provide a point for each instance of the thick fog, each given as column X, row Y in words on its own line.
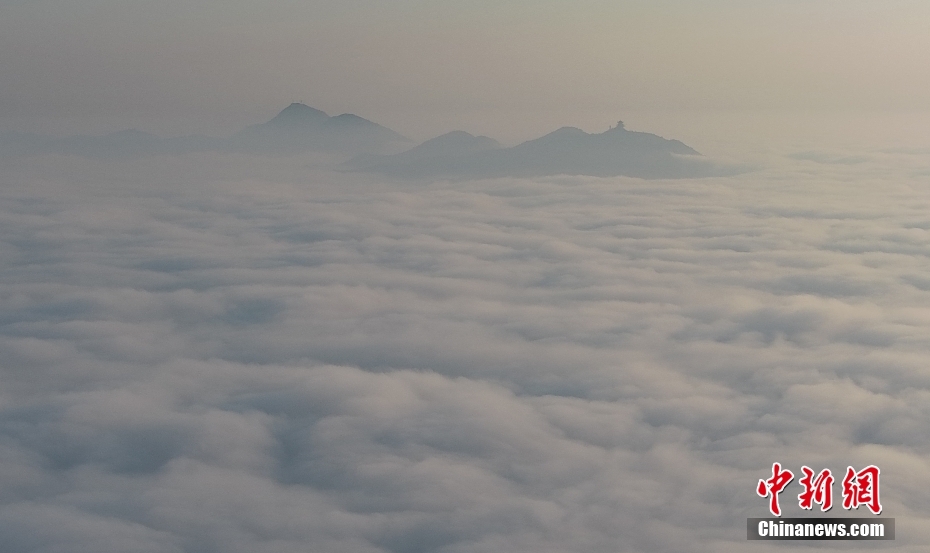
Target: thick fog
column 226, row 353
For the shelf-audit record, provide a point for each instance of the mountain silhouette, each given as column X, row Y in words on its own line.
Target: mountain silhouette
column 435, row 156
column 297, row 114
column 299, row 127
column 373, row 148
column 569, row 151
column 452, row 144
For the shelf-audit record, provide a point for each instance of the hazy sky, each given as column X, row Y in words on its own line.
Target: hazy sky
column 511, row 69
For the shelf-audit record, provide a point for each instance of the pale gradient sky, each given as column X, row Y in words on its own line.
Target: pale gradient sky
column 511, row 69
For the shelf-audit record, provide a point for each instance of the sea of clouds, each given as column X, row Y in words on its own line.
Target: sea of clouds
column 233, row 354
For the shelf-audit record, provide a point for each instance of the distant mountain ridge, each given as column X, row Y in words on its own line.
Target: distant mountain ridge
column 455, row 143
column 296, row 114
column 374, row 148
column 299, row 127
column 568, row 150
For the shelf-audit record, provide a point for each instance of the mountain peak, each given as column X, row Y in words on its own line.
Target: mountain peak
column 297, row 113
column 297, row 107
column 299, row 127
column 452, row 144
column 568, row 131
column 566, row 151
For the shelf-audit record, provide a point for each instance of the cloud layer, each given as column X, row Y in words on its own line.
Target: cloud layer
column 218, row 353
